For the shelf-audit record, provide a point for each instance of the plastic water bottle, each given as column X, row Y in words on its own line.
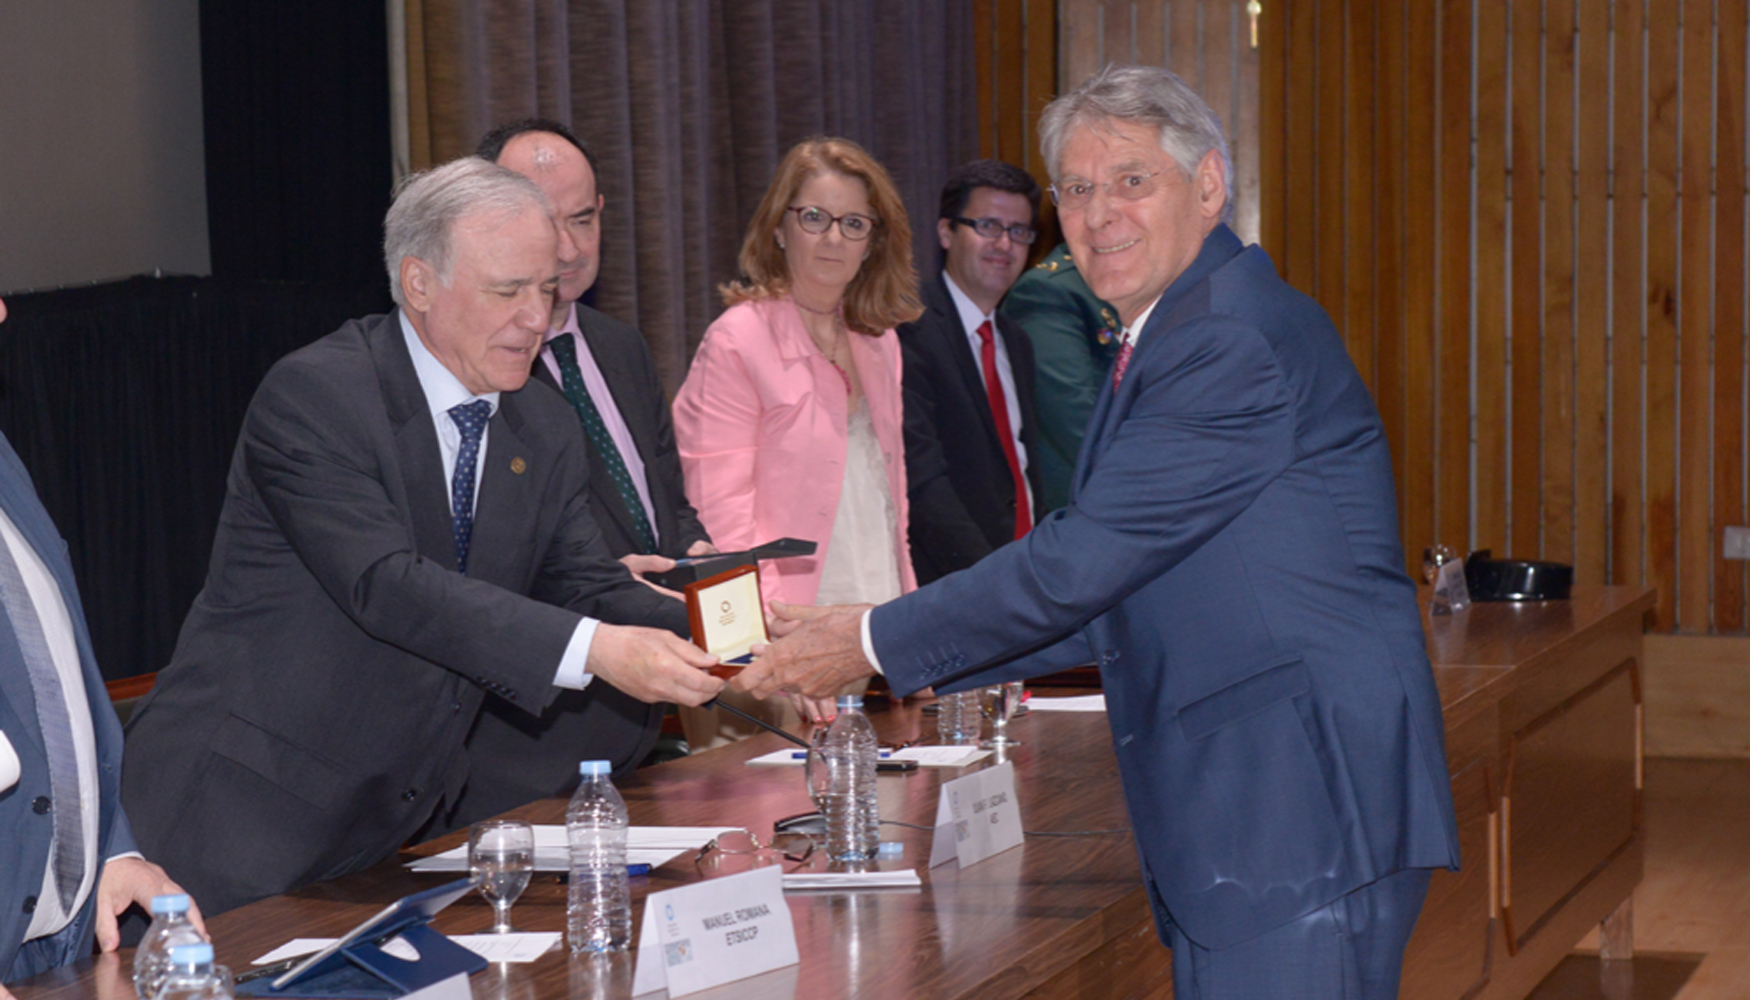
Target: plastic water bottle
column 957, row 721
column 850, row 752
column 170, row 928
column 599, row 911
column 191, row 975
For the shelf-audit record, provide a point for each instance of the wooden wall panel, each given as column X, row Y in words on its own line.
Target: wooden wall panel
column 1660, row 332
column 1628, row 299
column 1592, row 271
column 1452, row 356
column 1529, row 220
column 1729, row 312
column 1558, row 281
column 1525, row 418
column 1693, row 444
column 1491, row 282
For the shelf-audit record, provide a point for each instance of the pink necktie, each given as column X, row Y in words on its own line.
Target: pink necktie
column 1122, row 363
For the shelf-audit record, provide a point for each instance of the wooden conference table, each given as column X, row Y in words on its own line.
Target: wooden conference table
column 1542, row 717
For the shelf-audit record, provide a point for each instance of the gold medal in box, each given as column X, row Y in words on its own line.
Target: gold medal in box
column 727, row 617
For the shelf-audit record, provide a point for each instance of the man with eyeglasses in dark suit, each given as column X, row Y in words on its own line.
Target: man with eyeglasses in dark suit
column 970, row 435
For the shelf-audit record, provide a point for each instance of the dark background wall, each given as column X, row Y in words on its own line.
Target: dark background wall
column 124, row 398
column 100, row 141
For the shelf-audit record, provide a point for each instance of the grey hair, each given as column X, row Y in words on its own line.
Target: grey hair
column 429, row 204
column 1146, row 95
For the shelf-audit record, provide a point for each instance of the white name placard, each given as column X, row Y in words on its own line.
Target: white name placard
column 714, row 932
column 976, row 817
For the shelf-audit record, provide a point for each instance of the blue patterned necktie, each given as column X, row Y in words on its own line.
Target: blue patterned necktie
column 57, row 730
column 471, row 420
column 571, row 379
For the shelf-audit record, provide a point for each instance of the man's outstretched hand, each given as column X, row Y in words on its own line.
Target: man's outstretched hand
column 819, row 651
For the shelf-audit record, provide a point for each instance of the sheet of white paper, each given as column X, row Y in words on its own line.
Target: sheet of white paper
column 714, row 932
column 925, row 756
column 520, row 947
column 645, row 845
column 904, row 878
column 1079, row 703
column 293, row 948
column 454, row 988
column 957, row 756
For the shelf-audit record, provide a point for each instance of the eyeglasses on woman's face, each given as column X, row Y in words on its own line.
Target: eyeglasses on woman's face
column 855, row 226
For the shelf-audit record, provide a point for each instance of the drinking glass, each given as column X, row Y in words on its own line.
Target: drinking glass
column 501, row 857
column 998, row 703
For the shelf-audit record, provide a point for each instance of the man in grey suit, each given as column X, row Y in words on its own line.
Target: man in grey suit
column 636, row 492
column 403, row 532
column 68, row 865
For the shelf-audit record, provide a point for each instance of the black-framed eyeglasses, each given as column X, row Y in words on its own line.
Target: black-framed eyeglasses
column 793, row 847
column 991, row 229
column 854, row 225
column 1075, row 193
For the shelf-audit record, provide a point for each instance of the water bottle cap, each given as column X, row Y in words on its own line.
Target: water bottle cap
column 850, row 701
column 175, row 902
column 590, row 768
column 192, row 954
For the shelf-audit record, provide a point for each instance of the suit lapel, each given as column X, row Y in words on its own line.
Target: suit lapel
column 416, row 446
column 28, row 516
column 951, row 334
column 1219, row 247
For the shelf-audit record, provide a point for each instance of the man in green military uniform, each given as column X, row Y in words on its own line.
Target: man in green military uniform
column 1075, row 338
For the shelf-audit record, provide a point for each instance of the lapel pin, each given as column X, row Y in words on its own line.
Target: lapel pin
column 518, row 466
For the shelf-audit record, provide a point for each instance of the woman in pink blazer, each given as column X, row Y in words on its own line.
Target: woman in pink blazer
column 790, row 421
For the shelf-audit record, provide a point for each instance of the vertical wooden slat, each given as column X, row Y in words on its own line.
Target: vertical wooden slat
column 1078, row 42
column 1558, row 280
column 1628, row 294
column 1525, row 505
column 1010, row 75
column 1118, row 44
column 1247, row 101
column 1041, row 86
column 1360, row 208
column 1491, row 277
column 1274, row 121
column 1728, row 362
column 1300, row 159
column 1182, row 41
column 1662, row 290
column 1389, row 193
column 1151, row 31
column 1695, row 317
column 1332, row 218
column 1591, row 282
column 1452, row 518
column 983, row 58
column 1421, row 230
column 1217, row 48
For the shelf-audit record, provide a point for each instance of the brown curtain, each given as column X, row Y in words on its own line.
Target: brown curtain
column 688, row 106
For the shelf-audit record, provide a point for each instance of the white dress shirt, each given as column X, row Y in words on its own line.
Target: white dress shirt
column 442, row 392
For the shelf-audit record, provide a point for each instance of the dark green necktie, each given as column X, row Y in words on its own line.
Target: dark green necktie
column 571, row 379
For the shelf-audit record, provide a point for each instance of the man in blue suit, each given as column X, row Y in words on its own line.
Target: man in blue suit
column 1230, row 559
column 60, row 757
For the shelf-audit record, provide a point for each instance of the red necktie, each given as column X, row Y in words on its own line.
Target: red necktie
column 999, row 412
column 1122, row 363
